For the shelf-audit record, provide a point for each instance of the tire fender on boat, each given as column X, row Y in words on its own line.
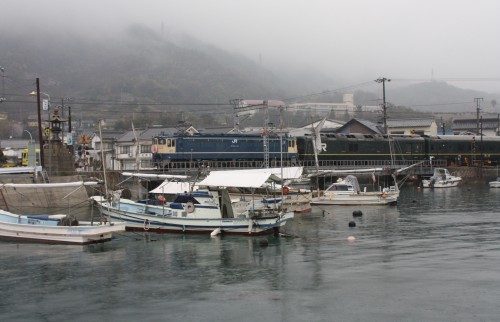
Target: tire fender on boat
column 190, row 207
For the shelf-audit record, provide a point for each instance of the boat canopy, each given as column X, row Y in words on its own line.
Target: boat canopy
column 289, row 173
column 173, row 187
column 254, row 178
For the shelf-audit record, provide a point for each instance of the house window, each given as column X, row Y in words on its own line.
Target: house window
column 145, row 148
column 125, row 149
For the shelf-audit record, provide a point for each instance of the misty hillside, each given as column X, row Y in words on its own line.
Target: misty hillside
column 440, row 96
column 142, row 65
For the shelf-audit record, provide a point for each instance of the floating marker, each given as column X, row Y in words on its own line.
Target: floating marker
column 352, row 224
column 351, row 238
column 357, row 213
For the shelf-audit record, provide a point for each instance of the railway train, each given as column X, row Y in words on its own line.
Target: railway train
column 222, row 147
column 453, row 149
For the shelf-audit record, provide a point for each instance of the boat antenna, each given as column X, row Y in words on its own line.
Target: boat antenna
column 317, row 146
column 103, row 162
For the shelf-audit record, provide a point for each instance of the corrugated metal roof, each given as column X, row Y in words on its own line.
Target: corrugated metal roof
column 465, row 124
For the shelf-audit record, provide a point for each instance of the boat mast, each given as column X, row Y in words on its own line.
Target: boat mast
column 103, row 161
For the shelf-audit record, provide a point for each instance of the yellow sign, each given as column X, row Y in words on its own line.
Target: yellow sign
column 47, row 131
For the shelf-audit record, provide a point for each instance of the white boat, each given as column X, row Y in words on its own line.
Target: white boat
column 55, row 229
column 346, row 192
column 441, row 179
column 495, row 184
column 293, row 199
column 209, row 211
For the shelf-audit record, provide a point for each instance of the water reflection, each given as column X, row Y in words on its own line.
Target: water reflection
column 435, row 254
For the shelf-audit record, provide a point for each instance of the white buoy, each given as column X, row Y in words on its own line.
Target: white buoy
column 351, row 238
column 215, row 232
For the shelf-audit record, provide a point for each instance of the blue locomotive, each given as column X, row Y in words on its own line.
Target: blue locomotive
column 222, row 147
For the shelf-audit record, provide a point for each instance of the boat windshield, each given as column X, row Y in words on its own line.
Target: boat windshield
column 341, row 187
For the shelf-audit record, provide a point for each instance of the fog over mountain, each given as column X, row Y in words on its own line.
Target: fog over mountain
column 211, row 51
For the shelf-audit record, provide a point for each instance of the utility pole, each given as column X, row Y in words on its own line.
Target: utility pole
column 40, row 136
column 478, row 104
column 2, row 98
column 384, row 104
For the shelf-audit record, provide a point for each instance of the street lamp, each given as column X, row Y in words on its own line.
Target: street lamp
column 31, row 137
column 45, row 108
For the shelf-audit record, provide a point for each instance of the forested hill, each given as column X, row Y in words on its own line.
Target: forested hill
column 440, row 96
column 146, row 66
column 142, row 65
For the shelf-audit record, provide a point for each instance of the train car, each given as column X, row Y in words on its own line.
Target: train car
column 221, row 147
column 464, row 150
column 459, row 150
column 354, row 147
column 25, row 157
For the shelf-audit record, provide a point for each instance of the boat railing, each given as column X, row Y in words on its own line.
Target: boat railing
column 323, row 164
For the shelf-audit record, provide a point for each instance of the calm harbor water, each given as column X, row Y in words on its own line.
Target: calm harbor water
column 433, row 257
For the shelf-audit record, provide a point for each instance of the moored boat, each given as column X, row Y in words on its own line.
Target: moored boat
column 495, row 184
column 55, row 229
column 441, row 179
column 346, row 192
column 209, row 210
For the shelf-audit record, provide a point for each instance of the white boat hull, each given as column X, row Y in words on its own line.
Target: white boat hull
column 141, row 220
column 440, row 183
column 30, row 229
column 494, row 184
column 361, row 199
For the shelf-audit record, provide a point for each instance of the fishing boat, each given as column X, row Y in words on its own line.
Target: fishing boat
column 285, row 194
column 495, row 184
column 209, row 210
column 55, row 228
column 346, row 192
column 441, row 179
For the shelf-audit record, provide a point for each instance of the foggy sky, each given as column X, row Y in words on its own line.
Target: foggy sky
column 352, row 40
